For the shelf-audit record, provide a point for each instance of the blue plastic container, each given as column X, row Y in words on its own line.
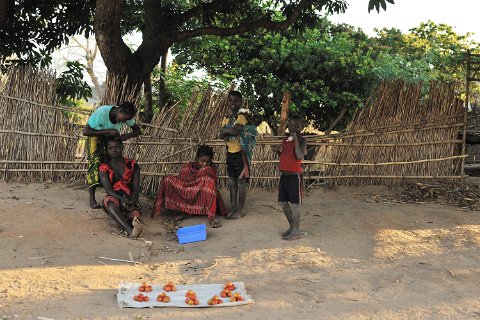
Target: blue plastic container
column 192, row 234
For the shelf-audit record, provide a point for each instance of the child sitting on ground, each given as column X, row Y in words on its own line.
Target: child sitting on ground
column 121, row 179
column 194, row 191
column 290, row 189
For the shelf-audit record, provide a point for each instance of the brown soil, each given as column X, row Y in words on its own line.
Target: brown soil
column 358, row 259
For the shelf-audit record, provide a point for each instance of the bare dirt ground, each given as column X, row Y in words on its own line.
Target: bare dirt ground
column 358, row 260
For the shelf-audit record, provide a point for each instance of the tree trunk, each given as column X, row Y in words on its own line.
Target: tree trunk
column 121, row 63
column 90, row 55
column 147, row 115
column 127, row 68
column 162, row 94
column 6, row 11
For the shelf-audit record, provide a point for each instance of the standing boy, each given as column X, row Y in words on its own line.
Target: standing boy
column 105, row 121
column 290, row 190
column 230, row 131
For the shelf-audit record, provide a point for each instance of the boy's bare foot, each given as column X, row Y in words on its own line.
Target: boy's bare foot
column 230, row 213
column 137, row 228
column 286, row 232
column 236, row 215
column 292, row 236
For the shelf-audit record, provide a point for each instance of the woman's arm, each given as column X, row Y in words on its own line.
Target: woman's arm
column 89, row 132
column 108, row 185
column 136, row 131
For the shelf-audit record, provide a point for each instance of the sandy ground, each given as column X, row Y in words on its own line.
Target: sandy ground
column 358, row 260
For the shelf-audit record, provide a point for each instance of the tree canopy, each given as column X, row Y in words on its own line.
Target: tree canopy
column 162, row 24
column 328, row 67
column 435, row 50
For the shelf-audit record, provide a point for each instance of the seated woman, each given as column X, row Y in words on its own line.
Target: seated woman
column 194, row 191
column 121, row 179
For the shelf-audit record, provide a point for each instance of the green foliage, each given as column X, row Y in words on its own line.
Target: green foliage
column 396, row 66
column 376, row 4
column 329, row 67
column 37, row 27
column 74, row 116
column 179, row 86
column 325, row 68
column 429, row 52
column 70, row 84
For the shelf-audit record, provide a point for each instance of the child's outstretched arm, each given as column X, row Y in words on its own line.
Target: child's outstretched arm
column 89, row 132
column 136, row 131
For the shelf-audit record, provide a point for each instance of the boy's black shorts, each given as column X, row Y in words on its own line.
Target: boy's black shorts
column 290, row 188
column 234, row 164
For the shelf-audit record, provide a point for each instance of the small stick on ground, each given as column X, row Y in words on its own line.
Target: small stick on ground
column 120, row 260
column 212, row 266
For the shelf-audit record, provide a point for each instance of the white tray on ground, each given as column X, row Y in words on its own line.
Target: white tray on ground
column 205, row 292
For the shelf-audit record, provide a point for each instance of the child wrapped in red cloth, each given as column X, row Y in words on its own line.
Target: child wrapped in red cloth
column 194, row 191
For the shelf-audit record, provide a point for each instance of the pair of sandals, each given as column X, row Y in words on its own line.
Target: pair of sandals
column 214, row 224
column 96, row 206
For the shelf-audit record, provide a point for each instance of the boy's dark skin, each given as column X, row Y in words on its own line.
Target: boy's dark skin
column 117, row 162
column 116, row 115
column 238, row 187
column 291, row 210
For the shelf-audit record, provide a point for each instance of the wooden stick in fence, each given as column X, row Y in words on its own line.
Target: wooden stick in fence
column 336, row 121
column 157, row 127
column 39, row 134
column 33, row 103
column 382, row 177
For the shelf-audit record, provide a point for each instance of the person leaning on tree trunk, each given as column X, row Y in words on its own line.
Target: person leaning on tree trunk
column 106, row 121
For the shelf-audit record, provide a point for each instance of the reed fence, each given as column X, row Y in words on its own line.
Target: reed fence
column 398, row 137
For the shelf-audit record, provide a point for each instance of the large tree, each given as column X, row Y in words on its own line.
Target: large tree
column 168, row 22
column 33, row 28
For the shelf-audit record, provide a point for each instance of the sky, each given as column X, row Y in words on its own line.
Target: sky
column 463, row 15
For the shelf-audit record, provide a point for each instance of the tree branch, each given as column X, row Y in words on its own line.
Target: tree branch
column 6, row 10
column 81, row 45
column 201, row 8
column 264, row 22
